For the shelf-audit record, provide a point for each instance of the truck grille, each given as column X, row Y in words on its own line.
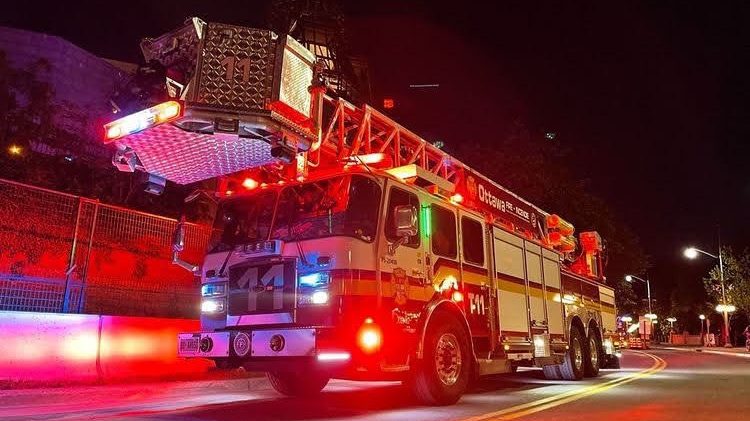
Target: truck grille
column 269, row 287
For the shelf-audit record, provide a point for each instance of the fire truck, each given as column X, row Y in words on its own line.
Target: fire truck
column 346, row 246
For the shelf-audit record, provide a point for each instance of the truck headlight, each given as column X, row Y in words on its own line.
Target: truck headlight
column 212, row 306
column 214, row 290
column 315, row 297
column 313, row 288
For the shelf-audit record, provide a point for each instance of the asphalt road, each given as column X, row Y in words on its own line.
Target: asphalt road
column 652, row 385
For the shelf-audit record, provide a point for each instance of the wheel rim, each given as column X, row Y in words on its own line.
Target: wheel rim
column 577, row 354
column 448, row 359
column 594, row 352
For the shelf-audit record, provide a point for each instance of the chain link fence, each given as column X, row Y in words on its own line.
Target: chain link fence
column 64, row 253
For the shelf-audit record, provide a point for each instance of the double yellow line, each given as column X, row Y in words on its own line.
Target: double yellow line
column 573, row 395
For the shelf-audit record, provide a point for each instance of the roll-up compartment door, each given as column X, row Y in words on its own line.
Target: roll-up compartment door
column 551, row 272
column 508, row 254
column 535, row 285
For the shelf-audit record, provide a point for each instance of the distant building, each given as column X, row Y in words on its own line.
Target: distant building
column 82, row 83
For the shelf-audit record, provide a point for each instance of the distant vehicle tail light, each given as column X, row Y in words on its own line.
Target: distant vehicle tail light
column 142, row 120
column 369, row 337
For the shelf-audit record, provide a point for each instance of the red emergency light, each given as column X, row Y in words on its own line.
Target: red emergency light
column 591, row 241
column 562, row 226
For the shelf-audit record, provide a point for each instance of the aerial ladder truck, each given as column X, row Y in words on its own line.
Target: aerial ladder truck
column 346, row 246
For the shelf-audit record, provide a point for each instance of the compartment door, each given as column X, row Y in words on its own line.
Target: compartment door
column 510, row 272
column 551, row 271
column 537, row 302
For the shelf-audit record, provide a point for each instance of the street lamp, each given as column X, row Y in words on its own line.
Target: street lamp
column 724, row 308
column 702, row 317
column 671, row 321
column 650, row 316
column 627, row 320
column 630, row 278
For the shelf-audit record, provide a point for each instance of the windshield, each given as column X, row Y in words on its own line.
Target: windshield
column 346, row 205
column 243, row 220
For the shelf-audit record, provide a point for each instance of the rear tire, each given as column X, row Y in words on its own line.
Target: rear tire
column 572, row 367
column 442, row 376
column 552, row 372
column 595, row 355
column 294, row 384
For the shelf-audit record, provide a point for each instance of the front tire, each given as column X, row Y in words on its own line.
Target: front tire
column 293, row 384
column 442, row 376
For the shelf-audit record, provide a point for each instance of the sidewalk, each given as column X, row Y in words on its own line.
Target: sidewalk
column 734, row 351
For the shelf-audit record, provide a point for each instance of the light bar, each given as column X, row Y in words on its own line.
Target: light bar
column 142, row 120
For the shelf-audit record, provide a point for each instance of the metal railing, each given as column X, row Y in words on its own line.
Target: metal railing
column 65, row 253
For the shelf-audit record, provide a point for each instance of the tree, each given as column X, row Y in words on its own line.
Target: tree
column 58, row 141
column 736, row 279
column 529, row 164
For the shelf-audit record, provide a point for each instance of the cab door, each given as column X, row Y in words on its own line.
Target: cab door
column 402, row 261
column 477, row 286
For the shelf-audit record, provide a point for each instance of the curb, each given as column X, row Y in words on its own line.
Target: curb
column 707, row 351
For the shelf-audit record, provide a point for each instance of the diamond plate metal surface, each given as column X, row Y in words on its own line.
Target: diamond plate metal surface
column 296, row 77
column 251, row 53
column 186, row 157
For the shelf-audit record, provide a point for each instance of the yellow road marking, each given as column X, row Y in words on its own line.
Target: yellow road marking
column 573, row 395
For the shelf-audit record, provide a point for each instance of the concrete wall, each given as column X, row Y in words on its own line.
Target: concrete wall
column 72, row 347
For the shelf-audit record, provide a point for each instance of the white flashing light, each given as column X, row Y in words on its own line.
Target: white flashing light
column 142, row 120
column 633, row 328
column 334, row 356
column 212, row 306
column 626, row 319
column 651, row 316
column 319, row 297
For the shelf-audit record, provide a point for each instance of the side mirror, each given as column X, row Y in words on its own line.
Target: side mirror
column 178, row 237
column 405, row 225
column 178, row 245
column 405, row 221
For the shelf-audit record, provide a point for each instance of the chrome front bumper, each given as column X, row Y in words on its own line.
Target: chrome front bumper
column 248, row 343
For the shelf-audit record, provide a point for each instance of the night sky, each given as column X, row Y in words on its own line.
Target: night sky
column 652, row 98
